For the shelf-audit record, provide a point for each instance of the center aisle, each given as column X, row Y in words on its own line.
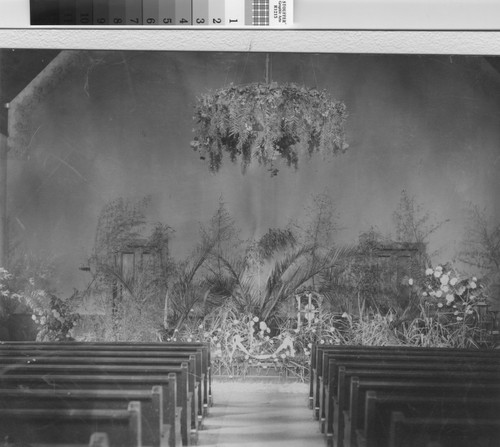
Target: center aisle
column 260, row 414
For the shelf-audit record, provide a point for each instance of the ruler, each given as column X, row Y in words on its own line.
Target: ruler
column 220, row 13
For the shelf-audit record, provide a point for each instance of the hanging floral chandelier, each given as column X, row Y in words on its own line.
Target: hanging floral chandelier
column 267, row 122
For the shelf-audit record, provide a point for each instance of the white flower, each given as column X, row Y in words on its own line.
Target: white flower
column 255, row 319
column 453, row 281
column 429, row 272
column 461, row 290
column 432, row 293
column 440, row 268
column 262, row 326
column 189, row 340
column 425, row 294
column 474, row 279
column 472, row 285
column 445, row 288
column 437, row 273
column 345, row 315
column 444, row 280
column 449, row 299
column 33, row 317
column 322, row 342
column 439, row 293
column 410, row 281
column 459, row 318
column 440, row 304
column 283, row 356
column 200, row 326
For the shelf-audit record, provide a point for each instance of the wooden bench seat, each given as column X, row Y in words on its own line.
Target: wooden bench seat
column 74, row 426
column 334, row 368
column 370, row 353
column 339, row 399
column 153, row 427
column 356, row 413
column 202, row 372
column 318, row 350
column 109, row 367
column 384, row 360
column 70, row 382
column 113, row 365
column 442, row 432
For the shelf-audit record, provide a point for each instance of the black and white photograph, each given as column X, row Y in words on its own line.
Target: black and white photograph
column 249, row 249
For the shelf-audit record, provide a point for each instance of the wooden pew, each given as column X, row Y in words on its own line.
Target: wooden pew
column 380, row 407
column 173, row 412
column 318, row 351
column 195, row 363
column 324, row 352
column 99, row 439
column 337, row 403
column 356, row 414
column 337, row 364
column 62, row 426
column 333, row 360
column 118, row 365
column 442, row 432
column 202, row 351
column 155, row 432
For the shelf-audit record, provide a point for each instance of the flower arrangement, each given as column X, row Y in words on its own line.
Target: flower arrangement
column 448, row 311
column 54, row 317
column 241, row 344
column 451, row 296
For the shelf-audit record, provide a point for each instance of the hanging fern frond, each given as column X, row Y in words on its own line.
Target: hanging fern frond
column 267, row 122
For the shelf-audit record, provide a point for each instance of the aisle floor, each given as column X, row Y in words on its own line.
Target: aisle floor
column 260, row 414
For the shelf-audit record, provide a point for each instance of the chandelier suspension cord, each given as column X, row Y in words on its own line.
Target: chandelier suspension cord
column 269, row 68
column 314, row 73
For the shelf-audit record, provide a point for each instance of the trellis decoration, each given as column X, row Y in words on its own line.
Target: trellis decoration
column 308, row 308
column 267, row 122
